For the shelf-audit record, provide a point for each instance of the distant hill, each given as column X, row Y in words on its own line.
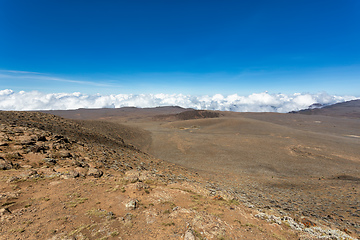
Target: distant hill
column 190, row 114
column 98, row 113
column 350, row 109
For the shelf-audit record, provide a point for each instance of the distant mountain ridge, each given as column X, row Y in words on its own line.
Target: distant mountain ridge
column 350, row 109
column 96, row 113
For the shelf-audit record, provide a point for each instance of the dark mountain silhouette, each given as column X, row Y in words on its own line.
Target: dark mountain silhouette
column 350, row 109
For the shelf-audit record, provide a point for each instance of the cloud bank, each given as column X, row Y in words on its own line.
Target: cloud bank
column 256, row 102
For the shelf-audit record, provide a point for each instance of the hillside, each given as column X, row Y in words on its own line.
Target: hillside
column 106, row 113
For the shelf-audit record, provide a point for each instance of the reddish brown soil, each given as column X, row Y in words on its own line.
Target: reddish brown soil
column 305, row 167
column 54, row 186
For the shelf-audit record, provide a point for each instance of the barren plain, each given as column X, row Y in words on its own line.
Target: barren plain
column 174, row 173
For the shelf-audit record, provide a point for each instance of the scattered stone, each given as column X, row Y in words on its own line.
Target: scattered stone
column 132, row 176
column 128, row 217
column 249, row 205
column 39, row 149
column 4, row 211
column 141, row 185
column 132, row 204
column 145, row 175
column 110, row 215
column 150, row 216
column 217, row 197
column 293, row 224
column 70, row 174
column 50, row 160
column 274, row 219
column 82, row 171
column 61, row 139
column 5, row 165
column 64, row 154
column 26, row 166
column 13, row 179
column 307, row 222
column 189, row 235
column 80, row 164
column 94, row 172
column 31, row 173
column 63, row 236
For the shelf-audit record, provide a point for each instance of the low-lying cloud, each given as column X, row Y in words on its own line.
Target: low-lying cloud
column 256, row 102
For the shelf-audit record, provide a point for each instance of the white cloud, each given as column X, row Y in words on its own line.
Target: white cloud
column 24, row 75
column 256, row 102
column 18, row 72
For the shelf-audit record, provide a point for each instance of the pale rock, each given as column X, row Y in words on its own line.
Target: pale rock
column 5, row 165
column 4, row 211
column 94, row 172
column 189, row 235
column 132, row 204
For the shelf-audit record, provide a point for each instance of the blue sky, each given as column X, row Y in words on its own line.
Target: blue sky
column 189, row 47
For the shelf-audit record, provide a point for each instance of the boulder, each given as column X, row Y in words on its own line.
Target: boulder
column 132, row 204
column 5, row 165
column 4, row 211
column 189, row 235
column 132, row 176
column 50, row 160
column 81, row 171
column 64, row 154
column 94, row 172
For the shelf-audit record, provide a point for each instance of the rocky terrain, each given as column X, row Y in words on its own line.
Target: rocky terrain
column 67, row 179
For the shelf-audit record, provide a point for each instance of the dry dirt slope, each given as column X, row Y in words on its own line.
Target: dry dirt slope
column 64, row 180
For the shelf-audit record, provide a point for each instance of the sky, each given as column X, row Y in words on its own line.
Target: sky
column 193, row 48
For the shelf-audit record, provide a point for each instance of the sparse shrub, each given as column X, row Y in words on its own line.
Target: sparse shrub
column 249, row 225
column 169, row 224
column 79, row 229
column 97, row 212
column 237, row 220
column 172, row 205
column 188, row 190
column 19, row 230
column 234, row 202
column 196, row 196
column 114, row 233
